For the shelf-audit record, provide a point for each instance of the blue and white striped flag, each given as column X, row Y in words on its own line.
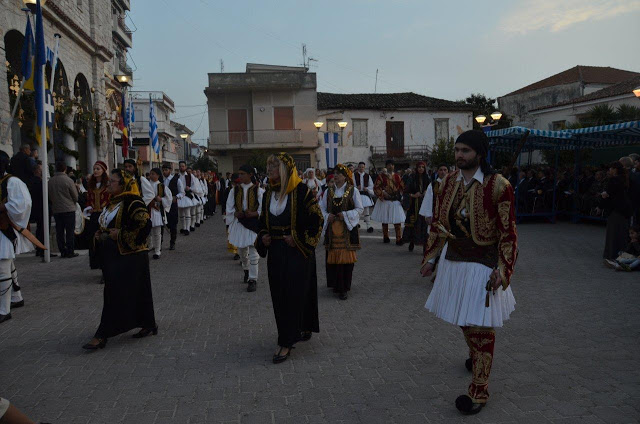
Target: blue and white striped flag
column 153, row 128
column 331, row 149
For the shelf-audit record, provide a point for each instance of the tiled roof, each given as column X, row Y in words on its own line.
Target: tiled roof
column 580, row 73
column 625, row 87
column 386, row 102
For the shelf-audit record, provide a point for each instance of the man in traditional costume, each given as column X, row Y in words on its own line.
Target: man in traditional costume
column 158, row 210
column 243, row 208
column 290, row 227
column 388, row 209
column 415, row 226
column 186, row 202
column 364, row 184
column 341, row 207
column 173, row 185
column 15, row 208
column 433, row 191
column 196, row 190
column 474, row 233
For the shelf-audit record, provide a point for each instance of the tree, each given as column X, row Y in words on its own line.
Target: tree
column 626, row 113
column 204, row 164
column 443, row 152
column 483, row 105
column 599, row 115
column 258, row 160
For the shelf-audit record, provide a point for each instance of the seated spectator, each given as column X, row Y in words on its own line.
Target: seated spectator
column 629, row 258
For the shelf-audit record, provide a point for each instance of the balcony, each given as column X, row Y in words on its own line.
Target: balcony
column 255, row 139
column 122, row 31
column 407, row 153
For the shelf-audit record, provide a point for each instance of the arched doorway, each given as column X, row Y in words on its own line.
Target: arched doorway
column 83, row 125
column 22, row 126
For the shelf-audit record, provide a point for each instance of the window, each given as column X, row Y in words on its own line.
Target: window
column 360, row 134
column 442, row 129
column 283, row 118
column 558, row 125
column 237, row 125
column 332, row 127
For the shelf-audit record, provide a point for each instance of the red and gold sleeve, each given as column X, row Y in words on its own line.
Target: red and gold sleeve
column 436, row 240
column 378, row 188
column 508, row 241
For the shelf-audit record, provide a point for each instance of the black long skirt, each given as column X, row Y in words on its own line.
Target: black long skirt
column 294, row 292
column 90, row 231
column 617, row 235
column 128, row 302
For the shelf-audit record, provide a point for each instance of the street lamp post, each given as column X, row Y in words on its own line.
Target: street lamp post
column 495, row 118
column 184, row 137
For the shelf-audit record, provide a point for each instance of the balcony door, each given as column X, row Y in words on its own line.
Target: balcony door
column 237, row 125
column 395, row 139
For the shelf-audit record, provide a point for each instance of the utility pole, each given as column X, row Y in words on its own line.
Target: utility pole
column 221, row 66
column 375, row 89
column 304, row 57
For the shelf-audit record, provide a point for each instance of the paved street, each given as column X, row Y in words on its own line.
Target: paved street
column 568, row 354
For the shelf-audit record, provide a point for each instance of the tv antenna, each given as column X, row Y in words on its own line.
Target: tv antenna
column 221, row 65
column 375, row 89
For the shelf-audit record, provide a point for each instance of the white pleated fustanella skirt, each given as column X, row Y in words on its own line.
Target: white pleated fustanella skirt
column 388, row 212
column 459, row 293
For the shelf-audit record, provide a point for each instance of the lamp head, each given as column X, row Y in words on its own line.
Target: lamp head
column 184, row 136
column 31, row 4
column 318, row 124
column 496, row 115
column 123, row 79
column 636, row 91
column 342, row 124
column 480, row 119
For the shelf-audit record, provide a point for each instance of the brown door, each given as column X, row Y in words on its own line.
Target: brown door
column 395, row 139
column 237, row 124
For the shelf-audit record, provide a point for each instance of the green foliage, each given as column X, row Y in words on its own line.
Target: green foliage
column 205, row 164
column 626, row 113
column 483, row 105
column 599, row 115
column 258, row 160
column 443, row 152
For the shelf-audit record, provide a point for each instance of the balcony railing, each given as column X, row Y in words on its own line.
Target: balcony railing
column 406, row 152
column 255, row 137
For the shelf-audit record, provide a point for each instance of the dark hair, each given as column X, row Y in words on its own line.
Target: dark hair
column 4, row 162
column 622, row 172
column 61, row 167
column 118, row 172
column 389, row 161
column 158, row 172
column 362, row 163
column 93, row 182
column 443, row 164
column 181, row 162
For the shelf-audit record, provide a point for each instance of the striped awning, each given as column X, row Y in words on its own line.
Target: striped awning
column 626, row 133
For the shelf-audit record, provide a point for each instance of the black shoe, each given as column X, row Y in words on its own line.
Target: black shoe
column 468, row 364
column 172, row 246
column 246, row 277
column 197, row 224
column 182, row 231
column 370, row 230
column 192, row 229
column 386, row 240
column 305, row 336
column 186, row 232
column 72, row 255
column 411, row 246
column 279, row 357
column 236, row 257
column 252, row 286
column 344, row 296
column 467, row 406
column 399, row 242
column 146, row 332
column 19, row 304
column 101, row 344
column 4, row 318
column 156, row 256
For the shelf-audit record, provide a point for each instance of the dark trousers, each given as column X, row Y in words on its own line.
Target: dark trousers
column 65, row 226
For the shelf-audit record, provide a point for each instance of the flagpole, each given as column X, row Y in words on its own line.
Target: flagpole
column 45, row 165
column 151, row 151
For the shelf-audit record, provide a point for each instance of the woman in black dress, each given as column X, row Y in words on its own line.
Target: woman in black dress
column 289, row 230
column 122, row 236
column 617, row 207
column 415, row 226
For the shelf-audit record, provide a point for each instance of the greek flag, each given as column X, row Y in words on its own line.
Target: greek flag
column 331, row 149
column 153, row 128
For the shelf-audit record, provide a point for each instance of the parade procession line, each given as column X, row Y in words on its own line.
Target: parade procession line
column 380, row 357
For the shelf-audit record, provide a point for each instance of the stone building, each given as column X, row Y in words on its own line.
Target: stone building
column 562, row 87
column 93, row 50
column 266, row 109
column 399, row 126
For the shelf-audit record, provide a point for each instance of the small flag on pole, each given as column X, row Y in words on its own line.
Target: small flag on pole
column 27, row 54
column 39, row 79
column 122, row 126
column 331, row 149
column 153, row 128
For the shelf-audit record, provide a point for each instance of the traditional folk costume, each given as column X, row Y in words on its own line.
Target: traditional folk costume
column 364, row 184
column 205, row 199
column 291, row 270
column 173, row 184
column 186, row 203
column 97, row 200
column 473, row 232
column 389, row 210
column 415, row 226
column 242, row 232
column 128, row 301
column 428, row 205
column 312, row 182
column 16, row 198
column 198, row 196
column 158, row 212
column 341, row 238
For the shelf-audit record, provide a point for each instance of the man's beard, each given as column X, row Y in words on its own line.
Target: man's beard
column 470, row 164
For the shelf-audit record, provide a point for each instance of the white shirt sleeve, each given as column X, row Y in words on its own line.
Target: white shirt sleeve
column 370, row 188
column 146, row 191
column 19, row 202
column 230, row 208
column 426, row 209
column 352, row 217
column 260, row 196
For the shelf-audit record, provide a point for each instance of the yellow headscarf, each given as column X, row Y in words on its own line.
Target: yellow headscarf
column 130, row 188
column 345, row 171
column 294, row 179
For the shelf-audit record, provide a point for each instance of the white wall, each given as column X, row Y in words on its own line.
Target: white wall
column 544, row 119
column 419, row 130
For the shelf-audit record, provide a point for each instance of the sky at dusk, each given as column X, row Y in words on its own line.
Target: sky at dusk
column 435, row 48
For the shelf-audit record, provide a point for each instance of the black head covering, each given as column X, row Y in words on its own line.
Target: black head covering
column 389, row 161
column 248, row 169
column 131, row 161
column 475, row 139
